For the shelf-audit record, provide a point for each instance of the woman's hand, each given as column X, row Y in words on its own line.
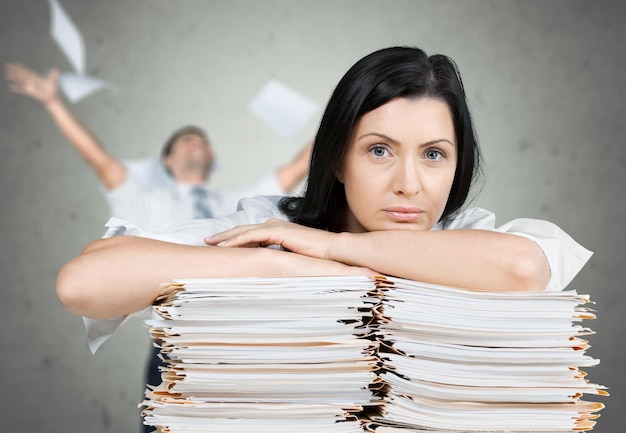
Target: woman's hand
column 290, row 236
column 27, row 82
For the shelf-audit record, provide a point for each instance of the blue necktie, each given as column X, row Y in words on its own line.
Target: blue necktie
column 200, row 208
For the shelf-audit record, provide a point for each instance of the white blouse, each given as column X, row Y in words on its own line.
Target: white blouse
column 565, row 256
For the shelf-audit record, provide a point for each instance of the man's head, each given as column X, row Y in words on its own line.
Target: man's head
column 188, row 155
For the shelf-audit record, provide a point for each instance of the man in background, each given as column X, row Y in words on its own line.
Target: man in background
column 154, row 194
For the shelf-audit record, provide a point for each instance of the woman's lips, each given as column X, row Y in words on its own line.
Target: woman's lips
column 404, row 213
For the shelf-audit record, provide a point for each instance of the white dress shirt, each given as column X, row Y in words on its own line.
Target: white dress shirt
column 150, row 198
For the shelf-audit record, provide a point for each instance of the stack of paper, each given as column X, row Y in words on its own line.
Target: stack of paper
column 351, row 354
column 483, row 361
column 264, row 355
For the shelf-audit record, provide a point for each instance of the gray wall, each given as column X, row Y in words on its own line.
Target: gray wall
column 545, row 80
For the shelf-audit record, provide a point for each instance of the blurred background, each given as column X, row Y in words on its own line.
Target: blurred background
column 545, row 80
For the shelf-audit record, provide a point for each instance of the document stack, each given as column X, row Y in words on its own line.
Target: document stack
column 264, row 355
column 352, row 354
column 460, row 360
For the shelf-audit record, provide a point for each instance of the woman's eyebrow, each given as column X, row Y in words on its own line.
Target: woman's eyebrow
column 378, row 134
column 437, row 140
column 386, row 137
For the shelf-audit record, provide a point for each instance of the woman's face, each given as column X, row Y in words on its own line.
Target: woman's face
column 399, row 166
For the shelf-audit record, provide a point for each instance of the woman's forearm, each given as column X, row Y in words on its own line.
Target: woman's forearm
column 469, row 258
column 117, row 276
column 473, row 259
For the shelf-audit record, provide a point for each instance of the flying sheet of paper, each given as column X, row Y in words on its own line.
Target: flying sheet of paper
column 282, row 108
column 67, row 36
column 76, row 87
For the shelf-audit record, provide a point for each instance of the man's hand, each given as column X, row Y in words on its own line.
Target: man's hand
column 27, row 82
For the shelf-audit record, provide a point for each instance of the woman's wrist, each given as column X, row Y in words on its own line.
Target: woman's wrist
column 340, row 246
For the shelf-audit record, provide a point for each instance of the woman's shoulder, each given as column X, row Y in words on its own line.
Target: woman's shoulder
column 261, row 208
column 469, row 218
column 565, row 256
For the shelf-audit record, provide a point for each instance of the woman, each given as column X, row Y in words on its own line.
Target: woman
column 392, row 166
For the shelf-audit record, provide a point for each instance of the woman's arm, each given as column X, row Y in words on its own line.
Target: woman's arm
column 472, row 259
column 123, row 274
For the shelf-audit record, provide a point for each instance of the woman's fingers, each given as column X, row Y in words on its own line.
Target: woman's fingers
column 268, row 233
column 290, row 236
column 236, row 237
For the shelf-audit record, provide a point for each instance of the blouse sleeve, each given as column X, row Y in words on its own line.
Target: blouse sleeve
column 192, row 232
column 565, row 256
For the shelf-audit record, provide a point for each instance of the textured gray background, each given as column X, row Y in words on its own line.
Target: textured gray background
column 545, row 80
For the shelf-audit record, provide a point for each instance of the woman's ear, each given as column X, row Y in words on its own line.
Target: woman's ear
column 338, row 173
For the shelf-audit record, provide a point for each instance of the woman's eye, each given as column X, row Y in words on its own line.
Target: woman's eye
column 378, row 151
column 433, row 155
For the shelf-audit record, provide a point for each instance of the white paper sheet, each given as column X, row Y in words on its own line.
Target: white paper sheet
column 282, row 108
column 76, row 87
column 67, row 36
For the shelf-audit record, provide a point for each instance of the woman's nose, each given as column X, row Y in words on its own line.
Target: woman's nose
column 407, row 179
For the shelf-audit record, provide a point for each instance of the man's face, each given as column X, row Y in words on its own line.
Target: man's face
column 190, row 152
